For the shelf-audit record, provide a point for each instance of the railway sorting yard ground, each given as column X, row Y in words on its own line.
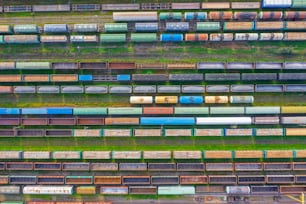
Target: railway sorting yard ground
column 105, row 102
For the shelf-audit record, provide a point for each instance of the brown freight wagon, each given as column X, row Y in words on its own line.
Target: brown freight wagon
column 3, row 180
column 40, row 202
column 224, row 179
column 59, row 133
column 295, row 25
column 107, row 180
column 245, row 5
column 23, row 166
column 48, row 166
column 218, row 154
column 75, row 166
column 210, row 189
column 93, row 65
column 73, row 202
column 90, row 121
column 2, row 165
column 34, row 121
column 116, row 132
column 62, row 121
column 295, row 36
column 298, row 166
column 220, row 15
column 193, row 180
column 248, row 166
column 151, row 66
column 6, row 89
column 64, row 77
column 7, row 133
column 187, row 154
column 10, row 78
column 36, row 78
column 300, row 153
column 87, row 133
column 121, row 121
column 30, row 133
column 216, row 5
column 104, row 166
column 121, row 65
column 158, row 110
column 271, row 154
column 229, row 26
column 126, row 154
column 178, row 132
column 271, row 166
column 220, row 166
column 50, row 180
column 269, row 131
column 143, row 190
column 157, row 154
column 96, row 154
column 271, row 15
column 185, row 6
column 78, row 180
column 165, row 180
column 208, row 132
column 196, row 37
column 86, row 190
column 251, row 179
column 136, row 180
column 190, row 167
column 295, row 15
column 147, row 132
column 292, row 189
column 9, row 121
column 181, row 66
column 280, row 179
column 245, row 15
column 269, row 25
column 7, row 65
column 246, row 154
column 239, row 132
column 295, row 131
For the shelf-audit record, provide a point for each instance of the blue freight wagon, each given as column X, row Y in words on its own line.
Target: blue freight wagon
column 123, row 77
column 34, row 111
column 191, row 99
column 189, row 16
column 9, row 111
column 85, row 77
column 167, row 121
column 59, row 111
column 171, row 37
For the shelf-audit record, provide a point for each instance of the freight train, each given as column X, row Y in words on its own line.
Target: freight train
column 153, row 37
column 138, row 155
column 154, row 78
column 182, row 167
column 153, row 89
column 265, row 4
column 156, row 66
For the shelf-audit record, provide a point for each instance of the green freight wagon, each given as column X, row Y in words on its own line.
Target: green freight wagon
column 208, row 26
column 26, row 28
column 143, row 37
column 33, row 65
column 170, row 16
column 226, row 110
column 89, row 111
column 176, row 190
column 298, row 4
column 115, row 27
column 2, row 39
column 112, row 38
column 125, row 111
column 191, row 110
